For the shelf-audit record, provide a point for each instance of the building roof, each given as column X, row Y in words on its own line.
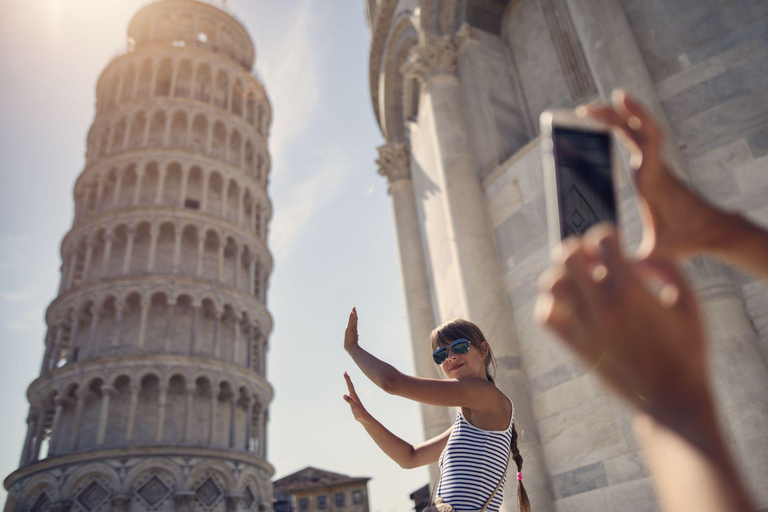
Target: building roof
column 311, row 478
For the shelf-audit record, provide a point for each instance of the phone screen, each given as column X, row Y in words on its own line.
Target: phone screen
column 584, row 182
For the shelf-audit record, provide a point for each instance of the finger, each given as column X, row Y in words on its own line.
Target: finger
column 575, row 261
column 350, row 386
column 559, row 306
column 676, row 291
column 636, row 116
column 602, row 242
column 609, row 117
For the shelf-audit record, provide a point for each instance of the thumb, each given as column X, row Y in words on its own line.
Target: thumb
column 674, row 282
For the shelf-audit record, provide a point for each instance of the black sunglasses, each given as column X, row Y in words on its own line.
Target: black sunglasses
column 460, row 346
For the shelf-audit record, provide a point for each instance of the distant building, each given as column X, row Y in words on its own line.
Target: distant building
column 420, row 498
column 315, row 490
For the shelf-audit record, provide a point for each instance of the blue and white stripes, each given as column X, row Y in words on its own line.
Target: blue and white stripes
column 471, row 465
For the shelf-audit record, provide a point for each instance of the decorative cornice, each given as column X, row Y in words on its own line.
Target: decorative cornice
column 465, row 35
column 394, row 162
column 435, row 56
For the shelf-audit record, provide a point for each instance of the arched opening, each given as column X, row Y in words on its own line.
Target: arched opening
column 205, row 331
column 184, row 80
column 131, row 323
column 238, row 93
column 145, row 423
column 202, row 411
column 203, row 83
column 230, row 261
column 200, row 134
column 178, row 135
column 233, row 195
column 118, row 136
column 164, row 77
column 194, row 189
column 142, row 239
column 219, row 146
column 221, row 96
column 149, row 184
column 136, row 139
column 188, row 261
column 250, row 167
column 128, row 187
column 157, row 129
column 175, row 409
column 157, row 321
column 117, row 421
column 165, row 249
column 251, row 108
column 129, row 82
column 235, row 148
column 215, row 193
column 211, row 256
column 119, row 246
column 181, row 332
column 172, row 185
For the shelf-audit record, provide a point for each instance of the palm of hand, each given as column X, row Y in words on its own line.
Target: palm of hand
column 350, row 334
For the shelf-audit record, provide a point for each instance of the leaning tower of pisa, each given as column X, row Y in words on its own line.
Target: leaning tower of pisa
column 152, row 394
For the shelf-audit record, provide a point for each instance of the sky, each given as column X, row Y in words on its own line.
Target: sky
column 332, row 233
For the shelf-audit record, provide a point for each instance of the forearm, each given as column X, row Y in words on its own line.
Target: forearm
column 396, row 449
column 740, row 242
column 384, row 375
column 689, row 476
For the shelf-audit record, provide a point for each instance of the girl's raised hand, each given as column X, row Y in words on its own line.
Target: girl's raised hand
column 358, row 411
column 350, row 335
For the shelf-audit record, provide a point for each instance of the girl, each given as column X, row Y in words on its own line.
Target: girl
column 473, row 453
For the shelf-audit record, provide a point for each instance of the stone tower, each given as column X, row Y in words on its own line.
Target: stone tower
column 152, row 393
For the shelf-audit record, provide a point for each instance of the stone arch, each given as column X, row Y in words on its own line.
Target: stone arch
column 263, row 494
column 195, row 178
column 150, row 183
column 157, row 320
column 216, row 478
column 176, row 405
column 230, row 261
column 403, row 36
column 219, row 140
column 250, row 159
column 235, row 148
column 211, row 248
column 199, row 141
column 189, row 249
column 168, row 473
column 34, row 489
column 201, row 401
column 98, row 474
column 232, row 199
column 157, row 128
column 145, row 426
column 238, row 96
column 215, row 199
column 89, row 425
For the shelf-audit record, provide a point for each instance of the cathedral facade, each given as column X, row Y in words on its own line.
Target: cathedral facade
column 457, row 88
column 152, row 394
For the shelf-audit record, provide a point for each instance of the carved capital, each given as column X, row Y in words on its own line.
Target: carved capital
column 434, row 56
column 394, row 162
column 109, row 390
column 466, row 34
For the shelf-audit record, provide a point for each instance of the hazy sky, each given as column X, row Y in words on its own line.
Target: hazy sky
column 332, row 234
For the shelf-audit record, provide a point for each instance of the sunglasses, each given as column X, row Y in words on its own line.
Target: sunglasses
column 460, row 346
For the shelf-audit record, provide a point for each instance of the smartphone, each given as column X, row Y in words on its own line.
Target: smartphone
column 578, row 174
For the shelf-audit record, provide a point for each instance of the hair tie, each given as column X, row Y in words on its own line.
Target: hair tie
column 520, row 476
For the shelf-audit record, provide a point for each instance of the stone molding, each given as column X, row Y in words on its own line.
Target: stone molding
column 379, row 34
column 394, row 162
column 435, row 56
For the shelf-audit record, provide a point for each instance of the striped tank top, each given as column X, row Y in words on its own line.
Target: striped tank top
column 471, row 465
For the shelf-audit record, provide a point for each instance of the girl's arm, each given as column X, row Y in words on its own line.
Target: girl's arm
column 402, row 452
column 472, row 393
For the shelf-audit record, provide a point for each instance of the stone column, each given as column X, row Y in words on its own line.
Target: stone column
column 160, row 185
column 145, row 305
column 39, row 431
column 99, row 194
column 176, row 250
column 236, row 340
column 53, row 445
column 184, row 182
column 32, row 420
column 129, row 250
column 200, row 254
column 137, row 193
column 81, row 395
column 154, row 233
column 238, row 263
column 161, row 405
column 204, row 201
column 118, row 323
column 249, row 424
column 47, row 353
column 233, row 502
column 135, row 390
column 92, row 342
column 107, row 392
column 232, row 416
column 73, row 338
column 222, row 243
column 169, row 326
column 216, row 326
column 109, row 238
column 88, row 258
column 118, row 187
column 56, row 355
column 212, row 424
column 251, row 276
column 740, row 375
column 121, row 503
column 480, row 276
column 262, row 426
column 249, row 347
column 189, row 417
column 394, row 164
column 193, row 334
